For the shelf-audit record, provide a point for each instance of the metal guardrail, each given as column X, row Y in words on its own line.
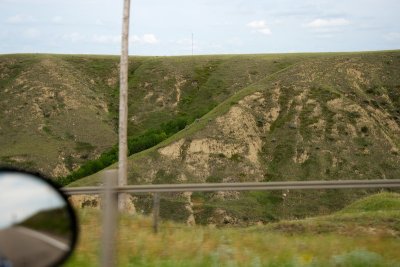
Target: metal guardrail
column 109, row 192
column 254, row 186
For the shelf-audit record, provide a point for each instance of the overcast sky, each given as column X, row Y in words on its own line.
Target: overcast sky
column 160, row 27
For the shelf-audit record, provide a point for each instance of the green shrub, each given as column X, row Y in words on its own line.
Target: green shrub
column 137, row 144
column 214, row 179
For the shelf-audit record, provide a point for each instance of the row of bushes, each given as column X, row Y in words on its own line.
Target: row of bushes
column 135, row 144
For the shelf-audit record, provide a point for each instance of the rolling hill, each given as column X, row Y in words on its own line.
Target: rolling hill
column 59, row 111
column 330, row 117
column 247, row 118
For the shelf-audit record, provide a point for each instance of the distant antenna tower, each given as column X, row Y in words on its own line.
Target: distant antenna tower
column 192, row 43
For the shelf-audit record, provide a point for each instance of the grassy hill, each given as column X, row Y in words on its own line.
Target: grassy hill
column 375, row 214
column 54, row 115
column 242, row 118
column 59, row 111
column 333, row 116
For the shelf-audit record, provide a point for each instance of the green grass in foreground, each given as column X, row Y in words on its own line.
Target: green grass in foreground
column 361, row 239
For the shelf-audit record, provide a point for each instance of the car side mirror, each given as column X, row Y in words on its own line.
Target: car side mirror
column 37, row 223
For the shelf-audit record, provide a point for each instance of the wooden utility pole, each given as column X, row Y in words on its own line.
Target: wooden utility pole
column 123, row 108
column 109, row 228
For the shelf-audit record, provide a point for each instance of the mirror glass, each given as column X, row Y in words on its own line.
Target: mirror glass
column 37, row 224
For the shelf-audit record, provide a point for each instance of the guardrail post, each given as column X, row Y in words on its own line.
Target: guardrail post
column 109, row 222
column 156, row 211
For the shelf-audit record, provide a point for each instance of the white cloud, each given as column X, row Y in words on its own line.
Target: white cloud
column 149, row 39
column 259, row 26
column 106, row 39
column 325, row 23
column 19, row 19
column 144, row 39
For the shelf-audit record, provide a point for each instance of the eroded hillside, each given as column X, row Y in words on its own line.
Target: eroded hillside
column 248, row 118
column 59, row 111
column 334, row 117
column 53, row 116
column 324, row 119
